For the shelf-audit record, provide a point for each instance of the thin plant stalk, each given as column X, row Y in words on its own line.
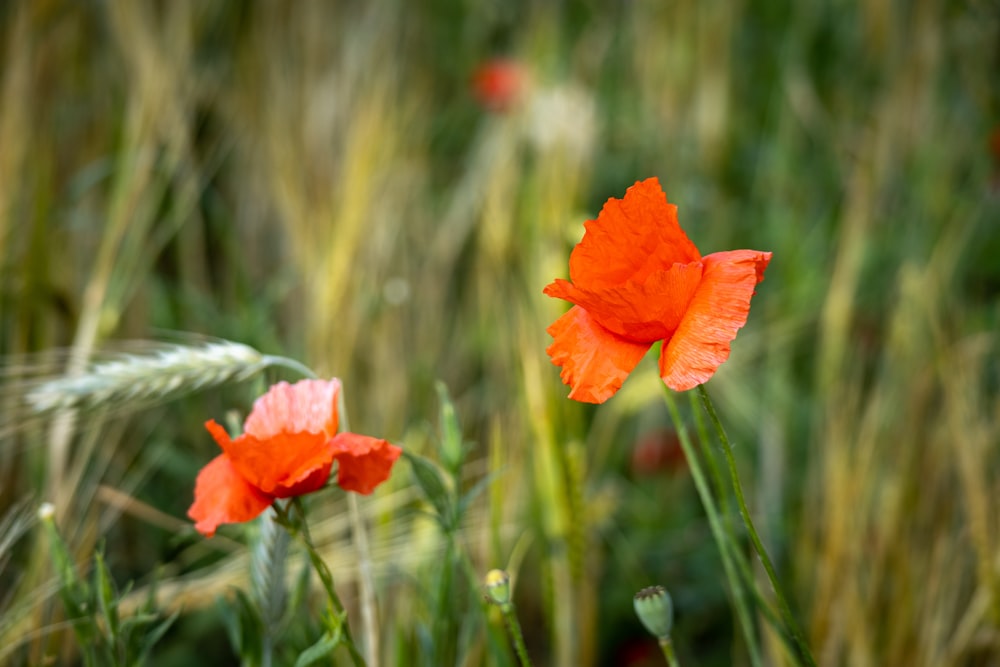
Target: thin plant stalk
column 366, row 577
column 514, row 627
column 722, row 540
column 667, row 647
column 268, row 562
column 786, row 613
column 732, row 542
column 290, row 364
column 300, row 530
column 749, row 580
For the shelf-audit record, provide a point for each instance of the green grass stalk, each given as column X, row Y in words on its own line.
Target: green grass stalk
column 739, row 559
column 791, row 626
column 366, row 578
column 722, row 539
column 300, row 530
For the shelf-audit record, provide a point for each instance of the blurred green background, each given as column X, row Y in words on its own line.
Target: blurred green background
column 343, row 183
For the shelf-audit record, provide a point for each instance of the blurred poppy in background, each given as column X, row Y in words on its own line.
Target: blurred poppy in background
column 500, row 84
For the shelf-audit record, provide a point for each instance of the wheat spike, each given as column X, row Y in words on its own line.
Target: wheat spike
column 146, row 378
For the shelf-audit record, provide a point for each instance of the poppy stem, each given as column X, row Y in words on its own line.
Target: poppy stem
column 761, row 603
column 727, row 552
column 791, row 626
column 300, row 530
column 732, row 544
column 667, row 646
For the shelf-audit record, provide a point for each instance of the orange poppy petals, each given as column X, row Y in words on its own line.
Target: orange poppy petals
column 594, row 360
column 631, row 238
column 283, row 465
column 219, row 434
column 643, row 312
column 221, row 496
column 718, row 310
column 363, row 462
column 307, row 405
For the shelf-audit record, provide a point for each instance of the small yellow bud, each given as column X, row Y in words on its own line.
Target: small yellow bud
column 46, row 511
column 498, row 587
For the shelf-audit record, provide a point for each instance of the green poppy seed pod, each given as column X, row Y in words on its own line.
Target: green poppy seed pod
column 656, row 611
column 498, row 587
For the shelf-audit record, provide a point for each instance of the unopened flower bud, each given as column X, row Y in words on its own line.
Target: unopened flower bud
column 498, row 587
column 46, row 511
column 655, row 609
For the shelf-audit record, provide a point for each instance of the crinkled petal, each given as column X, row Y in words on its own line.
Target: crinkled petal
column 642, row 312
column 221, row 496
column 307, row 405
column 717, row 311
column 283, row 465
column 363, row 462
column 594, row 360
column 631, row 238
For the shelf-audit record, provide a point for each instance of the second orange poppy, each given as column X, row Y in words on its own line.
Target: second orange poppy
column 636, row 279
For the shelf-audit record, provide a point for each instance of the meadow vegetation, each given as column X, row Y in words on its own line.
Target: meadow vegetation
column 318, row 180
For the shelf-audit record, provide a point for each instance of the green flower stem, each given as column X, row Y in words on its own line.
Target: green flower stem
column 515, row 633
column 722, row 540
column 300, row 530
column 739, row 559
column 786, row 613
column 717, row 479
column 366, row 578
column 667, row 647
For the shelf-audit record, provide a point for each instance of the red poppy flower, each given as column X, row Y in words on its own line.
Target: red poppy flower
column 288, row 446
column 499, row 84
column 636, row 279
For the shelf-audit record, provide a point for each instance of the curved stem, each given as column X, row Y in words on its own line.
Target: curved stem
column 722, row 540
column 300, row 530
column 291, row 364
column 786, row 613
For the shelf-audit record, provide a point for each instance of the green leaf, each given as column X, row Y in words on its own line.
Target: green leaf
column 106, row 600
column 477, row 488
column 244, row 626
column 322, row 648
column 452, row 447
column 432, row 482
column 74, row 590
column 155, row 635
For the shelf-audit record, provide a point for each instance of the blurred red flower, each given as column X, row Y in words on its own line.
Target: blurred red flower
column 655, row 452
column 287, row 449
column 636, row 279
column 499, row 84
